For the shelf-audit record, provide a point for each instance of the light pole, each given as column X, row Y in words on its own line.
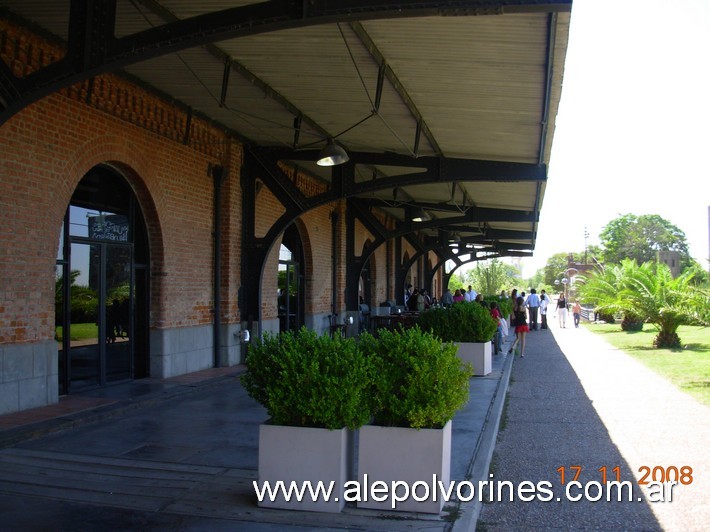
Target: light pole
column 566, row 281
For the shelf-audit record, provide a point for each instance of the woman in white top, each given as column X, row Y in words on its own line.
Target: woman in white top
column 562, row 310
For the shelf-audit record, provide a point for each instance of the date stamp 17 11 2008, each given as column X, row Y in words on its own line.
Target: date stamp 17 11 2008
column 657, row 480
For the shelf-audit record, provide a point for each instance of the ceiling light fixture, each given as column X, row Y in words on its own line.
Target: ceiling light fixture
column 332, row 155
column 420, row 215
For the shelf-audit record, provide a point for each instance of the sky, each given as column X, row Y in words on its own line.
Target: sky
column 633, row 127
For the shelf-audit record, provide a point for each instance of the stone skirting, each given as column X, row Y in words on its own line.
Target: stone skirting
column 28, row 376
column 185, row 350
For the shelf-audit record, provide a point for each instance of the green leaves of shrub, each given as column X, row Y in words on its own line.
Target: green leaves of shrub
column 462, row 322
column 417, row 381
column 307, row 380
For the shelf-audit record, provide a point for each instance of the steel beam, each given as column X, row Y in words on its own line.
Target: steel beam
column 93, row 49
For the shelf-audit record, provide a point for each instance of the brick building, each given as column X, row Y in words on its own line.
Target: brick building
column 146, row 222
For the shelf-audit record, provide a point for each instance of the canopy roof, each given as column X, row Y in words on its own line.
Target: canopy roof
column 445, row 106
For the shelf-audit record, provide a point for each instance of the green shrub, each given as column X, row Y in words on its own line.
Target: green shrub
column 462, row 322
column 632, row 322
column 504, row 305
column 307, row 380
column 418, row 381
column 607, row 317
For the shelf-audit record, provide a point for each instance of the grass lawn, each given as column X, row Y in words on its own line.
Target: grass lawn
column 687, row 368
column 79, row 331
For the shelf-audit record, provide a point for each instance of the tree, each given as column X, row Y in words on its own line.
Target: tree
column 640, row 238
column 556, row 264
column 650, row 292
column 456, row 281
column 491, row 276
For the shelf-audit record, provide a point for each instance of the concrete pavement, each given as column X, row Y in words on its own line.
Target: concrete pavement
column 180, row 454
column 575, row 401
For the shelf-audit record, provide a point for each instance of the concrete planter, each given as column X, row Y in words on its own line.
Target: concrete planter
column 299, row 454
column 389, row 454
column 478, row 355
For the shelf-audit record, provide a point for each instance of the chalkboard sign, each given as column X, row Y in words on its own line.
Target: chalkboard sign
column 112, row 227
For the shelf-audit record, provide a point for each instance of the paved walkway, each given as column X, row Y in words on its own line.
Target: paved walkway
column 180, row 454
column 576, row 401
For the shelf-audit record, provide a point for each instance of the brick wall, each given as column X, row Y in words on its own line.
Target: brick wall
column 164, row 155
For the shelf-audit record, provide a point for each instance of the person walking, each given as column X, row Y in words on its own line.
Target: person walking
column 447, row 299
column 533, row 305
column 562, row 310
column 576, row 312
column 521, row 326
column 513, row 298
column 544, row 300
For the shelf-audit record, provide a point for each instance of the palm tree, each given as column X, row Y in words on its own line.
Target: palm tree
column 604, row 292
column 651, row 292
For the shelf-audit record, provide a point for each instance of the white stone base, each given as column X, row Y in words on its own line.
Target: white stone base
column 299, row 454
column 478, row 355
column 389, row 454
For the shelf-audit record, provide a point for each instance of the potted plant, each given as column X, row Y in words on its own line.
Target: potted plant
column 470, row 325
column 314, row 388
column 418, row 385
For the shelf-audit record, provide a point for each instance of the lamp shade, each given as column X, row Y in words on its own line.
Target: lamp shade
column 420, row 215
column 332, row 155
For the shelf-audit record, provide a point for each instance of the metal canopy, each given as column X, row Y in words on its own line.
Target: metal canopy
column 446, row 106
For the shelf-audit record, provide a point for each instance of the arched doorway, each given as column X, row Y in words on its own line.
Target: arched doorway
column 290, row 281
column 101, row 297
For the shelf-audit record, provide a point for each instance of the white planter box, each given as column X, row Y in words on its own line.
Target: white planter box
column 389, row 454
column 478, row 355
column 299, row 454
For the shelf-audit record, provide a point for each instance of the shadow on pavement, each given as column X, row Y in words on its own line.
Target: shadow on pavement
column 550, row 425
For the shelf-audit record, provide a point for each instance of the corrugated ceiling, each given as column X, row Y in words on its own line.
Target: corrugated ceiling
column 483, row 87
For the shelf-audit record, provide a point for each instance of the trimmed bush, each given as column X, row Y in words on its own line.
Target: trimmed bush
column 418, row 381
column 462, row 322
column 504, row 305
column 631, row 322
column 307, row 380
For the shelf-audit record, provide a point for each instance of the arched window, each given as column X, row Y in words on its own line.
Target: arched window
column 102, row 285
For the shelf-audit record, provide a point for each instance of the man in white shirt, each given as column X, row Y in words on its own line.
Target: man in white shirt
column 533, row 304
column 470, row 294
column 544, row 300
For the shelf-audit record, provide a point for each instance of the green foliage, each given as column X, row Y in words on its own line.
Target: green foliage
column 492, row 276
column 650, row 292
column 537, row 280
column 632, row 322
column 418, row 381
column 640, row 238
column 505, row 306
column 556, row 264
column 462, row 322
column 457, row 282
column 307, row 380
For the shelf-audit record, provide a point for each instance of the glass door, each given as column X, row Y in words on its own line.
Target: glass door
column 118, row 312
column 84, row 325
column 100, row 324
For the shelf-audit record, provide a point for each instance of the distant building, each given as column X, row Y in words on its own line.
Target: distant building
column 670, row 259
